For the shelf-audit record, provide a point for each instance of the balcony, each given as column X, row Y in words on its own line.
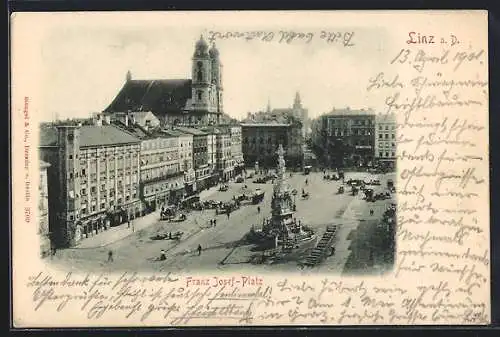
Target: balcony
column 161, row 178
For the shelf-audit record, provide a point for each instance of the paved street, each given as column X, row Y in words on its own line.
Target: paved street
column 221, row 244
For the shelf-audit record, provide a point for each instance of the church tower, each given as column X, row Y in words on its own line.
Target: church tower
column 203, row 89
column 297, row 104
column 217, row 78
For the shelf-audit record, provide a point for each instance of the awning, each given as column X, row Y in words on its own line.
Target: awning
column 193, row 197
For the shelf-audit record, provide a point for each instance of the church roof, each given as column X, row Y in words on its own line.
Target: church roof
column 158, row 96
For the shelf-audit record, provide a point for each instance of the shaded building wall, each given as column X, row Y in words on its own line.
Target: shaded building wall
column 43, row 213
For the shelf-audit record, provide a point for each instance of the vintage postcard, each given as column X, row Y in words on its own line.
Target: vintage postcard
column 250, row 168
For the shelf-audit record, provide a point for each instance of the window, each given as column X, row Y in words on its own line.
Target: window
column 71, row 217
column 70, row 156
column 392, row 154
column 71, row 176
column 93, row 208
column 393, row 136
column 103, row 205
column 387, row 154
column 386, row 136
column 380, row 136
column 84, row 191
column 92, row 189
column 200, row 95
column 83, row 172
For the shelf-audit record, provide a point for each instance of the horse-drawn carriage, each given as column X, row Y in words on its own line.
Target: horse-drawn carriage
column 257, row 197
column 168, row 213
column 168, row 236
column 190, row 203
column 227, row 207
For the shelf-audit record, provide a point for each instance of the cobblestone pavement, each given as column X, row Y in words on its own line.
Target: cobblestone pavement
column 221, row 244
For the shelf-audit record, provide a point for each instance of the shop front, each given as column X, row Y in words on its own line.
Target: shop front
column 176, row 195
column 117, row 216
column 91, row 226
column 214, row 179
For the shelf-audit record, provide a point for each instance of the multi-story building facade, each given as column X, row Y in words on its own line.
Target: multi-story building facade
column 43, row 210
column 385, row 140
column 225, row 165
column 186, row 164
column 224, row 160
column 236, row 148
column 212, row 153
column 200, row 158
column 347, row 137
column 161, row 179
column 261, row 141
column 94, row 182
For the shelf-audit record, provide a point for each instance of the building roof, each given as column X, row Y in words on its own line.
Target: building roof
column 351, row 112
column 263, row 124
column 175, row 133
column 386, row 118
column 193, row 131
column 90, row 135
column 48, row 135
column 161, row 97
column 134, row 129
column 44, row 164
column 212, row 130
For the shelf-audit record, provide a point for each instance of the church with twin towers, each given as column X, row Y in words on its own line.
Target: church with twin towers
column 184, row 102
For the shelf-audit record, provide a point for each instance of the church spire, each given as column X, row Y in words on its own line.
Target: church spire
column 297, row 103
column 268, row 109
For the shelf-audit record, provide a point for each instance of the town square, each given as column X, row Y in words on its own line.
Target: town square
column 164, row 179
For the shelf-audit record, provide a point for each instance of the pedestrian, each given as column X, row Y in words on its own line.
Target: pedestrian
column 199, row 250
column 258, row 209
column 128, row 223
column 215, row 222
column 170, row 235
column 228, row 214
column 371, row 212
column 163, row 256
column 307, row 182
column 110, row 256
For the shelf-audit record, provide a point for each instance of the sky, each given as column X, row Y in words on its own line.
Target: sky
column 85, row 60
